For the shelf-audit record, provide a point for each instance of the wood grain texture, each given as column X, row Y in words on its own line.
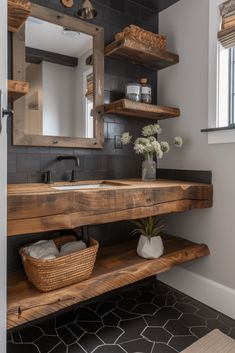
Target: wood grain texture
column 17, row 89
column 18, row 12
column 39, row 208
column 116, row 267
column 141, row 54
column 140, row 110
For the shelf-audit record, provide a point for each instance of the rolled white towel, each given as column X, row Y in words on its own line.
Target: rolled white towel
column 71, row 247
column 43, row 249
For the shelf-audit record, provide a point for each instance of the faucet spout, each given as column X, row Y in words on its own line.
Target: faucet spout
column 75, row 158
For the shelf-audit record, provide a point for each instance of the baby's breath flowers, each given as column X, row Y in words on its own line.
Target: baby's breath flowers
column 126, row 138
column 178, row 141
column 148, row 145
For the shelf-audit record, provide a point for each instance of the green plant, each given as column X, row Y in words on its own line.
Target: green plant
column 149, row 227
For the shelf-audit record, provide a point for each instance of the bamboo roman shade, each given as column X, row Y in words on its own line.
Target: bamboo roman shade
column 227, row 33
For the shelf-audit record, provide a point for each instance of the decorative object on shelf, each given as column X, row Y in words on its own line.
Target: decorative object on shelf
column 67, row 3
column 146, row 91
column 62, row 271
column 150, row 245
column 227, row 33
column 87, row 11
column 133, row 92
column 148, row 146
column 18, row 12
column 140, row 35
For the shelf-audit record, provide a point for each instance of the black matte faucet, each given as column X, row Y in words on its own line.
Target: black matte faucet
column 75, row 158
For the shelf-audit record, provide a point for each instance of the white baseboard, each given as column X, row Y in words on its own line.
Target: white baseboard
column 211, row 293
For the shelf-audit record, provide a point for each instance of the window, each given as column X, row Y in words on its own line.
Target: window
column 231, row 105
column 221, row 84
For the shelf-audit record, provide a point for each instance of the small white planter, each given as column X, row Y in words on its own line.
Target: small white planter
column 150, row 248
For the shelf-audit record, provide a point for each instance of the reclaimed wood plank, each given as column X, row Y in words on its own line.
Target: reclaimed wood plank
column 129, row 108
column 116, row 266
column 39, row 208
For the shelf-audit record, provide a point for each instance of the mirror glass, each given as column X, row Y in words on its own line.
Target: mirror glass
column 60, row 99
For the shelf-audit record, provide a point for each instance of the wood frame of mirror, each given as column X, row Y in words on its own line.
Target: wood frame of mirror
column 19, row 73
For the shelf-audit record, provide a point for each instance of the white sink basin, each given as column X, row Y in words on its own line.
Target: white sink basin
column 82, row 186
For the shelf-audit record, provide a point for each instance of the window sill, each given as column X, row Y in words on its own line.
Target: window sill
column 221, row 134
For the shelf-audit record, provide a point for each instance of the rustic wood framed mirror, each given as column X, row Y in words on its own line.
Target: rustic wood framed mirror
column 60, row 110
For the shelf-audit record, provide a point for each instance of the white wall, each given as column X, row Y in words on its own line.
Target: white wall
column 58, row 100
column 186, row 86
column 80, row 100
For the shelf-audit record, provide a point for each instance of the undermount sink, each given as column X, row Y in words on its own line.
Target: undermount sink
column 82, row 186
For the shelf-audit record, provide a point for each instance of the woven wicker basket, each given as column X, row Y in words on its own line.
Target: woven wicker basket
column 139, row 35
column 48, row 275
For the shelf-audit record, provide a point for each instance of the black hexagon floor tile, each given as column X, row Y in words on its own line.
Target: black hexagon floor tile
column 109, row 349
column 109, row 335
column 214, row 323
column 111, row 319
column 181, row 342
column 132, row 329
column 145, row 309
column 176, row 328
column 127, row 304
column 151, row 318
column 156, row 334
column 200, row 331
column 190, row 320
column 140, row 345
column 186, row 308
column 162, row 316
column 21, row 348
column 30, row 334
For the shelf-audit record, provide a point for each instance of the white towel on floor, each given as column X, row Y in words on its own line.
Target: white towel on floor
column 71, row 247
column 43, row 249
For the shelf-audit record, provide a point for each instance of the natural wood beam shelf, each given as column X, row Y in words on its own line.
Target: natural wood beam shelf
column 140, row 110
column 18, row 12
column 141, row 54
column 34, row 208
column 17, row 89
column 116, row 266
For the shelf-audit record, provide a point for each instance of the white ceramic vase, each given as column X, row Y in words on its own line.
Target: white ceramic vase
column 150, row 248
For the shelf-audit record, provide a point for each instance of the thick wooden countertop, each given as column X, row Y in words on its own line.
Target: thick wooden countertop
column 36, row 208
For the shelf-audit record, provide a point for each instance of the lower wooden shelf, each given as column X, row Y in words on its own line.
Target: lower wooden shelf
column 116, row 266
column 17, row 89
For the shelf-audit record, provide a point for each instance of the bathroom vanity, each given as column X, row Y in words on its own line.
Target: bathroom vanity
column 40, row 208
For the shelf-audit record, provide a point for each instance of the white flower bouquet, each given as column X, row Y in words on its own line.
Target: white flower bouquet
column 149, row 146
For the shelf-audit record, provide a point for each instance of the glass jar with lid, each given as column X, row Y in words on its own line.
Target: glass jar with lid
column 133, row 92
column 146, row 91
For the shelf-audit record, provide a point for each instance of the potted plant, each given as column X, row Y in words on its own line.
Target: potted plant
column 148, row 146
column 150, row 245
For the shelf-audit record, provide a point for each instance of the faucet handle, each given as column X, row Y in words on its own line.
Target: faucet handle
column 73, row 176
column 47, row 176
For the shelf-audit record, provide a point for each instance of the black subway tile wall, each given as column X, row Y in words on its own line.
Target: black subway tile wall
column 26, row 163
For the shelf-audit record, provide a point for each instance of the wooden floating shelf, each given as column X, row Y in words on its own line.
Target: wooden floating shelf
column 116, row 266
column 18, row 12
column 140, row 54
column 17, row 89
column 140, row 110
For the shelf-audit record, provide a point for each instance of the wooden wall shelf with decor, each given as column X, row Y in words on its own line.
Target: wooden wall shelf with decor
column 141, row 54
column 17, row 89
column 116, row 267
column 139, row 110
column 18, row 12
